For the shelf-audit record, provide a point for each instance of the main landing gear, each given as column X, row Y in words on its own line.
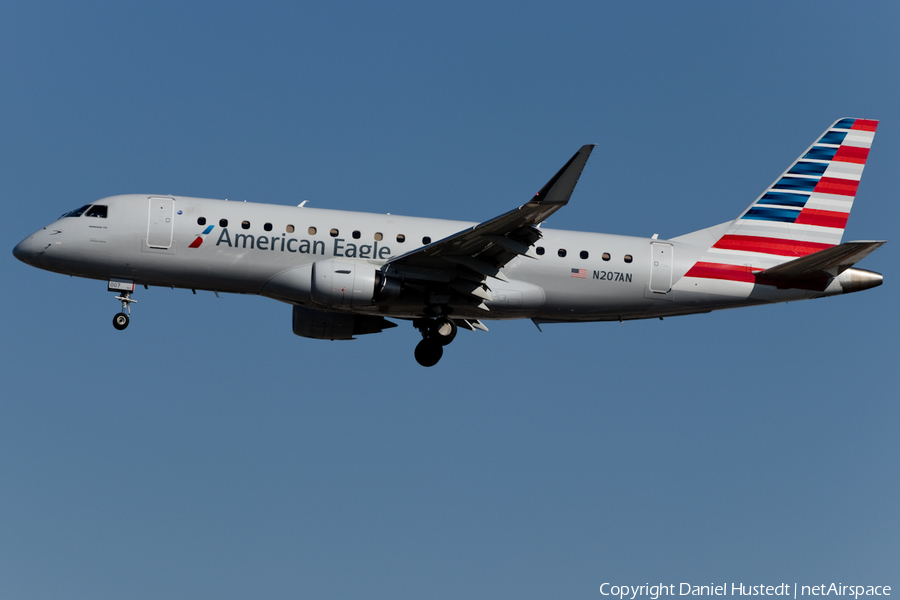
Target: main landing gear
column 121, row 320
column 436, row 333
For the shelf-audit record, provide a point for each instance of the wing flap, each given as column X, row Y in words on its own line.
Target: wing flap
column 471, row 324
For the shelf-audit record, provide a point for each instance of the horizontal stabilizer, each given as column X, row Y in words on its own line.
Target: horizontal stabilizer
column 825, row 263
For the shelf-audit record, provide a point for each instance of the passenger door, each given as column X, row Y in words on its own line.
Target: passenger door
column 160, row 222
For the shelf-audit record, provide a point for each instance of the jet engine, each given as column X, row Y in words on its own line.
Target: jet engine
column 343, row 284
column 326, row 325
column 333, row 283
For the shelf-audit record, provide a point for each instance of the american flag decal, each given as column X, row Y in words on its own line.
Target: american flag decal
column 579, row 273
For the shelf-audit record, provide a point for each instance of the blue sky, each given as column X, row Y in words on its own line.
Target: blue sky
column 207, row 452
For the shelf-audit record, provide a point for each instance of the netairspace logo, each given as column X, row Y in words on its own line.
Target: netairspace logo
column 654, row 592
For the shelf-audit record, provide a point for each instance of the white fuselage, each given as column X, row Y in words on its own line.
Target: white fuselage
column 565, row 276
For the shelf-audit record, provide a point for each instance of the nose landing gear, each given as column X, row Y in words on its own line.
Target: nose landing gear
column 121, row 320
column 436, row 333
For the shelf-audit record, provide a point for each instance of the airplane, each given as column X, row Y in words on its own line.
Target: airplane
column 345, row 273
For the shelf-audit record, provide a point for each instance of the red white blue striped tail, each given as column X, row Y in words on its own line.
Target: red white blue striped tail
column 802, row 212
column 806, row 209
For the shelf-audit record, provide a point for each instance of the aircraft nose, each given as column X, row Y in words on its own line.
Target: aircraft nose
column 27, row 250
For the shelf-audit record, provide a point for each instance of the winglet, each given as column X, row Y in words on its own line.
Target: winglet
column 559, row 189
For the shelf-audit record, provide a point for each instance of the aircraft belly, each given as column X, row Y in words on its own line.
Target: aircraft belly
column 714, row 294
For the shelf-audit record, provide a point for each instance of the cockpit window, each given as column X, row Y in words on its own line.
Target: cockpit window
column 77, row 212
column 97, row 210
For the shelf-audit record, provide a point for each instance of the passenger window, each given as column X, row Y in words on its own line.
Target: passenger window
column 97, row 211
column 539, row 250
column 267, row 227
column 401, row 238
column 333, row 233
column 201, row 221
column 562, row 252
column 245, row 224
column 311, row 231
column 628, row 258
column 606, row 256
column 77, row 212
column 223, row 222
column 378, row 237
column 289, row 229
column 584, row 254
column 356, row 235
column 426, row 240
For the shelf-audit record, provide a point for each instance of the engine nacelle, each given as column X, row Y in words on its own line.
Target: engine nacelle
column 334, row 284
column 343, row 284
column 326, row 325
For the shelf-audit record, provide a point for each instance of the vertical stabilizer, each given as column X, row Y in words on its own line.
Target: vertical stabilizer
column 806, row 209
column 802, row 212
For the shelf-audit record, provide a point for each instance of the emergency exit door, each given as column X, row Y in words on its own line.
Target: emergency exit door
column 160, row 222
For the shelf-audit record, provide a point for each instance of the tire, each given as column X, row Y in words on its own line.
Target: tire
column 443, row 331
column 120, row 321
column 429, row 352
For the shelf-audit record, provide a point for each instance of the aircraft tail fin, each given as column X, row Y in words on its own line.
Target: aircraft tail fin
column 806, row 209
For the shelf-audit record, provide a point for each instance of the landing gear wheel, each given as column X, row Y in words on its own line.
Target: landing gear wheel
column 429, row 352
column 120, row 321
column 443, row 331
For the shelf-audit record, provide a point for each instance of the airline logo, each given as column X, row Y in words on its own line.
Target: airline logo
column 196, row 243
column 806, row 209
column 803, row 212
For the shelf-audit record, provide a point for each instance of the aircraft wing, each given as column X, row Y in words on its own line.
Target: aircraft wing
column 483, row 250
column 830, row 262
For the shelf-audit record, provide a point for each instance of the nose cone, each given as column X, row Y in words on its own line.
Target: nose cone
column 27, row 250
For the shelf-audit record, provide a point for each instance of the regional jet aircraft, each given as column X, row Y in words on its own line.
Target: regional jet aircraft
column 345, row 273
